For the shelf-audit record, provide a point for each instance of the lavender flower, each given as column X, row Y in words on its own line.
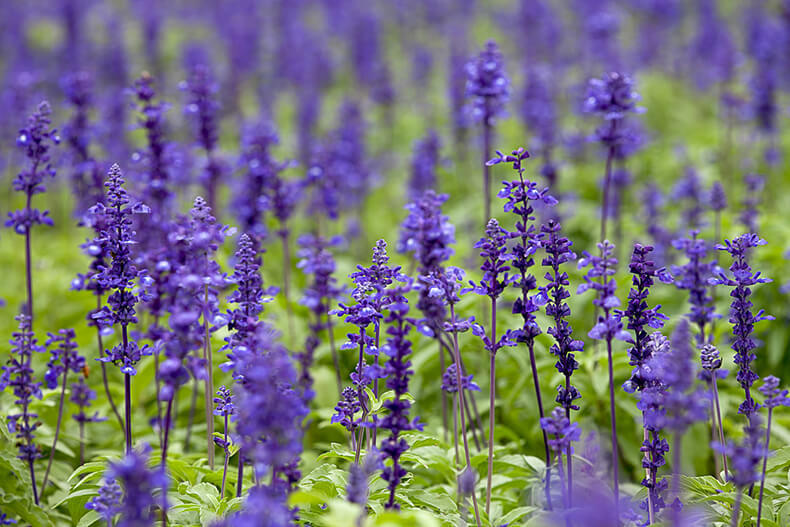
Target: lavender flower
column 317, row 260
column 694, row 277
column 450, row 381
column 120, row 276
column 139, row 483
column 225, row 407
column 18, row 373
column 250, row 199
column 82, row 396
column 359, row 474
column 202, row 104
column 611, row 97
column 638, row 313
column 718, row 197
column 107, row 502
column 608, row 327
column 157, row 191
column 35, row 139
column 712, row 48
column 489, row 89
column 397, row 372
column 558, row 251
column 741, row 316
column 562, row 433
column 423, row 165
column 745, row 460
column 86, row 181
column 749, row 215
column 63, row 358
column 487, row 84
column 774, row 397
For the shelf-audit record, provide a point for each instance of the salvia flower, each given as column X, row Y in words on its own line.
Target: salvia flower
column 86, row 181
column 693, row 277
column 450, row 381
column 35, row 140
column 18, row 374
column 741, row 316
column 558, row 251
column 599, row 278
column 560, row 430
column 638, row 313
column 358, row 485
column 397, row 371
column 487, row 84
column 140, row 484
column 718, row 197
column 63, row 358
column 250, row 201
column 774, row 396
column 745, row 457
column 83, row 396
column 749, row 214
column 423, row 165
column 121, row 275
column 612, row 97
column 107, row 502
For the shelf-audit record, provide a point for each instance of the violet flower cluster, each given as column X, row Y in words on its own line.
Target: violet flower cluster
column 423, row 165
column 487, row 84
column 140, row 484
column 35, row 140
column 741, row 316
column 694, row 277
column 558, row 251
column 397, row 372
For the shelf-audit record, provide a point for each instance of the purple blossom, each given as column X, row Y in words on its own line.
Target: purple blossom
column 718, row 197
column 18, row 374
column 558, row 251
column 612, row 97
column 774, row 396
column 745, row 457
column 316, row 259
column 694, row 277
column 121, row 275
column 82, row 396
column 752, row 197
column 599, row 279
column 487, row 84
column 35, row 140
column 63, row 358
column 250, row 200
column 397, row 372
column 741, row 316
column 202, row 104
column 108, row 501
column 140, row 484
column 712, row 48
column 639, row 314
column 450, row 381
column 359, row 474
column 561, row 431
column 423, row 165
column 346, row 409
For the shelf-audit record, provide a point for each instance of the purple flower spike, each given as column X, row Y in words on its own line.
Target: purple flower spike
column 35, row 140
column 741, row 316
column 107, row 502
column 140, row 484
column 450, row 382
column 487, row 84
column 423, row 165
column 694, row 277
column 561, row 430
column 63, row 358
column 398, row 371
column 774, row 396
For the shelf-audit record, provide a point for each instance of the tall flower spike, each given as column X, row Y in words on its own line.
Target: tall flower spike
column 122, row 277
column 488, row 87
column 35, row 139
column 140, row 485
column 18, row 373
column 774, row 397
column 520, row 194
column 107, row 502
column 423, row 165
column 611, row 97
column 397, row 371
column 608, row 327
column 558, row 252
column 745, row 460
column 741, row 316
column 693, row 277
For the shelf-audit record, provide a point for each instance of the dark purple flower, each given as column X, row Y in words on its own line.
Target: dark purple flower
column 397, row 372
column 63, row 358
column 18, row 374
column 346, row 409
column 741, row 316
column 140, row 484
column 35, row 140
column 202, row 104
column 82, row 396
column 745, row 457
column 612, row 97
column 599, row 279
column 423, row 165
column 487, row 85
column 121, row 275
column 558, row 251
column 774, row 396
column 694, row 277
column 450, row 381
column 107, row 502
column 250, row 200
column 750, row 214
column 718, row 197
column 638, row 313
column 560, row 430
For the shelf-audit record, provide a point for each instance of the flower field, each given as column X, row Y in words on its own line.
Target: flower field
column 357, row 263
